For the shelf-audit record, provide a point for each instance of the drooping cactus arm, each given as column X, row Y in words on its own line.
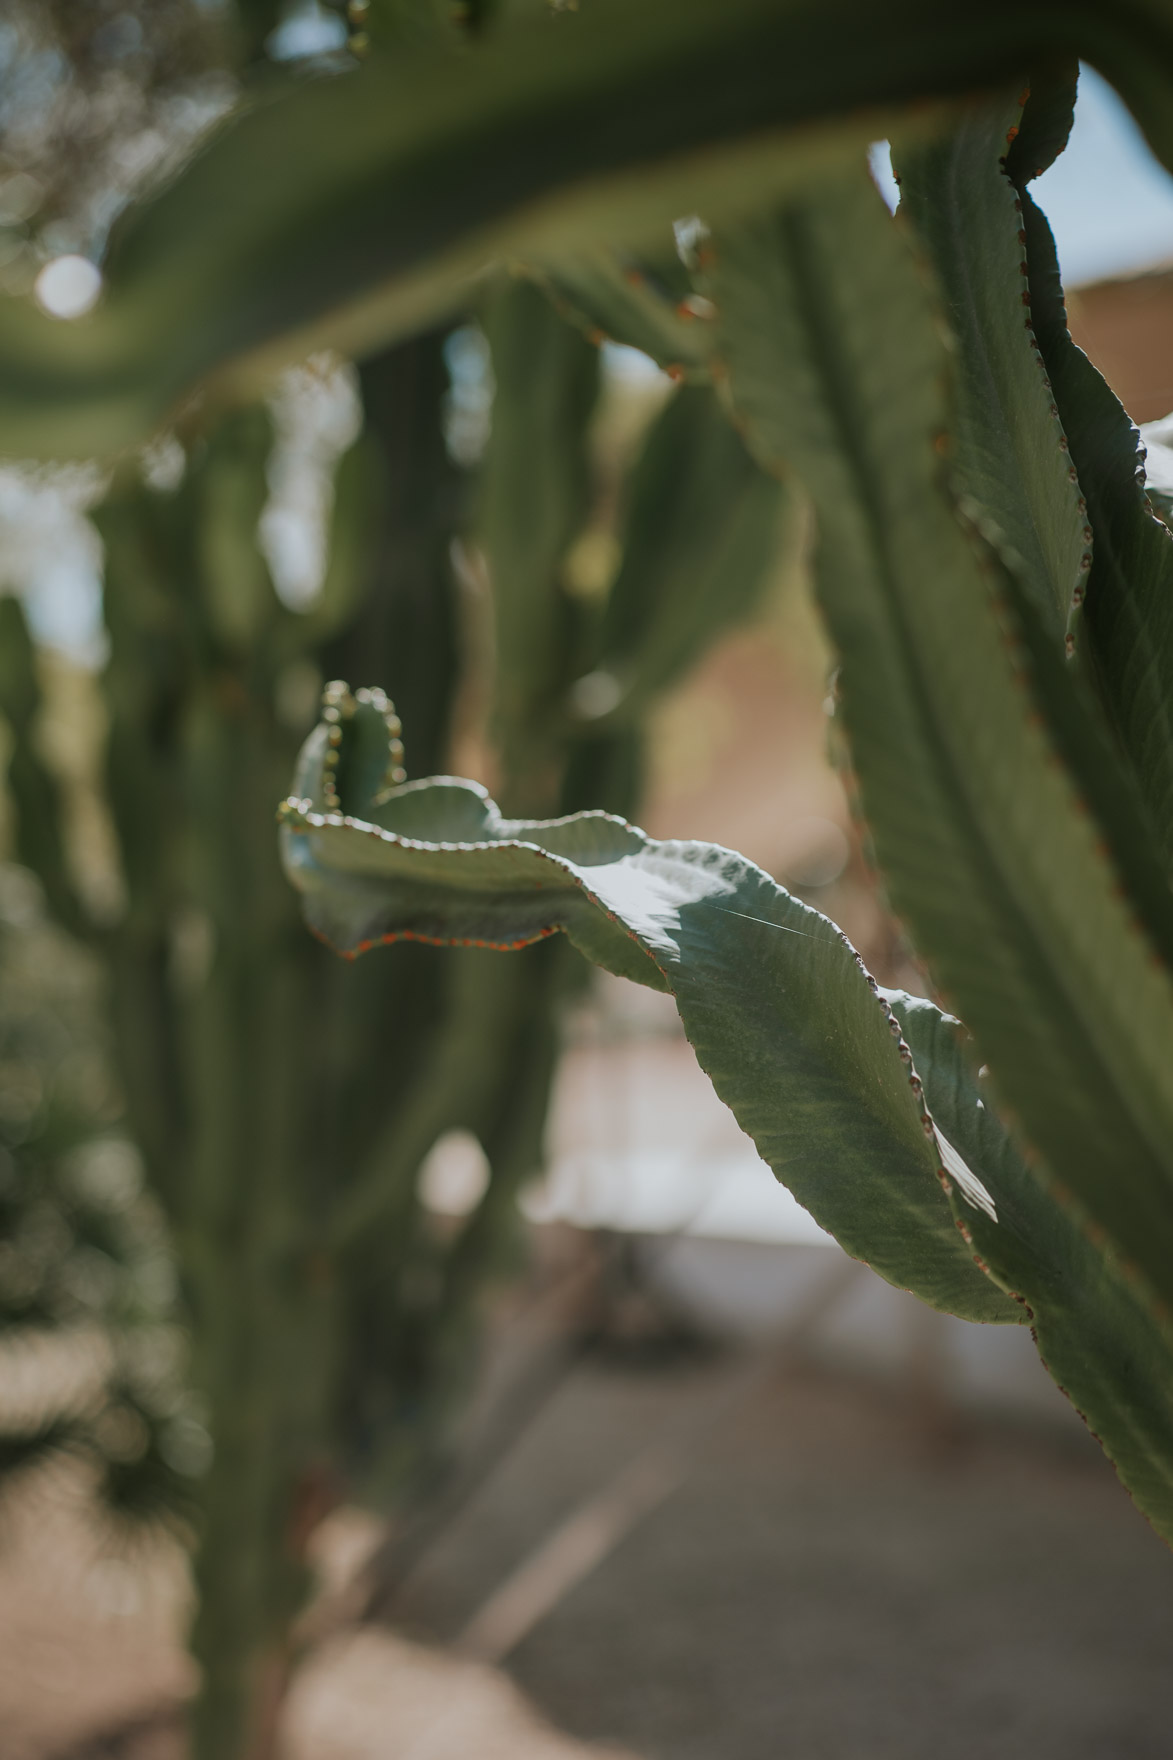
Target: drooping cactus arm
column 347, row 210
column 774, row 1000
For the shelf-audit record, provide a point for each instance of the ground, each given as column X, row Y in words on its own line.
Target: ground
column 837, row 1567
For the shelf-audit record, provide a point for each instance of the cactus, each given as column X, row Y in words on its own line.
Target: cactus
column 861, row 1100
column 994, row 591
column 991, row 575
column 356, row 207
column 331, row 1327
column 650, row 306
column 249, row 1121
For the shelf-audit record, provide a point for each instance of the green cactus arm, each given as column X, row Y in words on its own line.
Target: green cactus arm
column 837, row 362
column 351, row 540
column 776, row 1004
column 474, row 1058
column 34, row 791
column 1128, row 633
column 236, row 591
column 1011, row 459
column 1095, row 1331
column 356, row 207
column 704, row 527
column 533, row 502
column 148, row 599
column 1011, row 452
column 147, row 569
column 615, row 299
column 1128, row 618
column 399, row 505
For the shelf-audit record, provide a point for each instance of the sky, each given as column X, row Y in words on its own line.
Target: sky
column 1110, row 203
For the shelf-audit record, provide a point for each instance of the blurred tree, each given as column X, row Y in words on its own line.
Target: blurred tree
column 97, row 102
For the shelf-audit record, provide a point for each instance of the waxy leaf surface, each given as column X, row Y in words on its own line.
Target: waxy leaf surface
column 773, row 999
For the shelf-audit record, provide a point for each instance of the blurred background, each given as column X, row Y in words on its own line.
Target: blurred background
column 631, row 1460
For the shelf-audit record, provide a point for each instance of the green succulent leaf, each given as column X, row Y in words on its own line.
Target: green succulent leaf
column 838, row 364
column 774, row 1000
column 1094, row 1327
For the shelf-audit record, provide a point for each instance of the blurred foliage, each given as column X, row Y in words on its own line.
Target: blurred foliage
column 95, row 102
column 86, row 1274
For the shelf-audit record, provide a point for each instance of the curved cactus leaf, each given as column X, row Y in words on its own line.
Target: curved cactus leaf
column 1095, row 1330
column 837, row 363
column 611, row 299
column 777, row 1006
column 352, row 208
